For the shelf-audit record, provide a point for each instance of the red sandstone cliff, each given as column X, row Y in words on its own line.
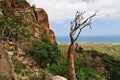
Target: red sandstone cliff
column 42, row 19
column 37, row 16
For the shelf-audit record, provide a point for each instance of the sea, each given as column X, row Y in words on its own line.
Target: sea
column 93, row 39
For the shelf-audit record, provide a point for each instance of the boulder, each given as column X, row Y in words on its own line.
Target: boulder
column 10, row 53
column 6, row 66
column 59, row 78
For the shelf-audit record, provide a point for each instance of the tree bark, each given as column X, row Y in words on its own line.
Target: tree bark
column 70, row 62
column 76, row 27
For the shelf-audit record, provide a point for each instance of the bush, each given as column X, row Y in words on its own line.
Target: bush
column 45, row 39
column 110, row 64
column 22, row 33
column 47, row 54
column 87, row 74
column 60, row 69
column 32, row 45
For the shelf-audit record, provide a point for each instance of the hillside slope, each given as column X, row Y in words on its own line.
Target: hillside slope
column 22, row 29
column 93, row 60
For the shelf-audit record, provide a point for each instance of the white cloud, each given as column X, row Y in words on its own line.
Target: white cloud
column 61, row 10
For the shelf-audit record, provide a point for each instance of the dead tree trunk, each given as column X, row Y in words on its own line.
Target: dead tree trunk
column 76, row 27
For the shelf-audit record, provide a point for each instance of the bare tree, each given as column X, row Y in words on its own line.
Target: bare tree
column 76, row 27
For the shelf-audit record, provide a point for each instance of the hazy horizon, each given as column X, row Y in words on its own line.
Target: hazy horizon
column 95, row 39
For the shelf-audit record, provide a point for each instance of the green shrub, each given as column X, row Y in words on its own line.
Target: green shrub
column 45, row 39
column 110, row 64
column 32, row 45
column 22, row 33
column 113, row 67
column 87, row 74
column 58, row 69
column 47, row 54
column 2, row 21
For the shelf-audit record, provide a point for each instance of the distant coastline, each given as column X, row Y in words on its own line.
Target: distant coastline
column 90, row 39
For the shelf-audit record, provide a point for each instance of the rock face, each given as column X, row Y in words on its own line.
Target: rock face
column 6, row 66
column 14, row 3
column 36, row 19
column 9, row 3
column 42, row 19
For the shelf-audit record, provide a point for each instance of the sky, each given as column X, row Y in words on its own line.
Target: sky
column 61, row 12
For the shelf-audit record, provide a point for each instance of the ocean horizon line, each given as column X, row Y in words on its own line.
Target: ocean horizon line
column 90, row 39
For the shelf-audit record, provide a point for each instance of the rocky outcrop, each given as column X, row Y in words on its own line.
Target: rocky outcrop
column 52, row 36
column 6, row 66
column 14, row 4
column 26, row 15
column 42, row 19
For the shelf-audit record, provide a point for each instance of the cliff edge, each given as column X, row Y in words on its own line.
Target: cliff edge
column 19, row 12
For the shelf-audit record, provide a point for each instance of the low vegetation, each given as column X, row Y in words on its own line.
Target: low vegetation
column 47, row 54
column 91, row 64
